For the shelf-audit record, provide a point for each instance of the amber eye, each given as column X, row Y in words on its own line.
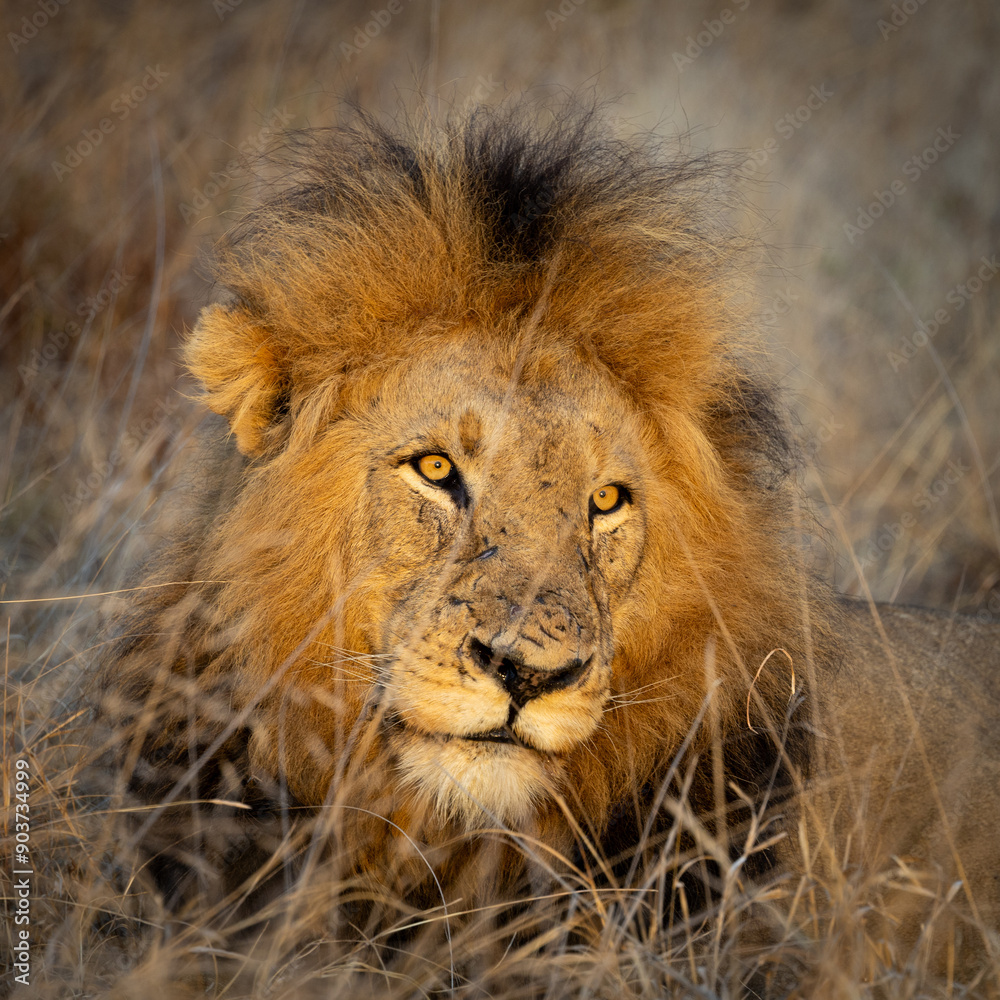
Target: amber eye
column 605, row 499
column 434, row 467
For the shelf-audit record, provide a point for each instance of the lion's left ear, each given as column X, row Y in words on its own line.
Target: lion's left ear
column 239, row 362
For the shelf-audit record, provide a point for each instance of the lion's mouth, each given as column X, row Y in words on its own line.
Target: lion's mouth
column 503, row 735
column 494, row 736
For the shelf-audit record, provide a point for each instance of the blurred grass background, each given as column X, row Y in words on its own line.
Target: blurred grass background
column 125, row 130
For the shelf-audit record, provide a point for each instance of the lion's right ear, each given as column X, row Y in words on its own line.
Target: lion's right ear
column 239, row 363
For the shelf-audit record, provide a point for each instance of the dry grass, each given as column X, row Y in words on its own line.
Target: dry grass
column 904, row 451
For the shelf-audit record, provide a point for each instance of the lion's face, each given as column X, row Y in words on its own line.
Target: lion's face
column 505, row 504
column 506, row 484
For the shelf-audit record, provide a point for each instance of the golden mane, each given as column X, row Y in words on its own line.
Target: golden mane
column 550, row 248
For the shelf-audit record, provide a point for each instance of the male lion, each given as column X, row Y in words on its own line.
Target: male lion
column 495, row 536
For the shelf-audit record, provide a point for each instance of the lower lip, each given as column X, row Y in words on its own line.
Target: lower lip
column 497, row 737
column 490, row 738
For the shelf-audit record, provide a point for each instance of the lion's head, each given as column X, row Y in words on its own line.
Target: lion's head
column 505, row 537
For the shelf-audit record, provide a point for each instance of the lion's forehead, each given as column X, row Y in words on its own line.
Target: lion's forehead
column 537, row 416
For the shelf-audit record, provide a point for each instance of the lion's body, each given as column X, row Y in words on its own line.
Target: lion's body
column 906, row 767
column 430, row 658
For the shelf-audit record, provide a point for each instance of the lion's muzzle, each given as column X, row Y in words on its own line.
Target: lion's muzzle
column 525, row 681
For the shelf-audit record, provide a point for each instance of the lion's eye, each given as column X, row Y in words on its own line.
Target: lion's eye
column 434, row 467
column 608, row 499
column 605, row 498
column 440, row 471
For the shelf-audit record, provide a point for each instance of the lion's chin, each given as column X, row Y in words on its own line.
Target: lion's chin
column 484, row 782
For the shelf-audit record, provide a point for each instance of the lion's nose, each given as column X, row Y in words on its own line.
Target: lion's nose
column 521, row 680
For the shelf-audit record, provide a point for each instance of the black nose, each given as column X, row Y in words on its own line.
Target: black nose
column 521, row 680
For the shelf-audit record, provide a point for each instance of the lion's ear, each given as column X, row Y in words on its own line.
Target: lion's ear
column 239, row 363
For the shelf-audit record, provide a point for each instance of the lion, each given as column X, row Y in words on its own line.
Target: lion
column 491, row 540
